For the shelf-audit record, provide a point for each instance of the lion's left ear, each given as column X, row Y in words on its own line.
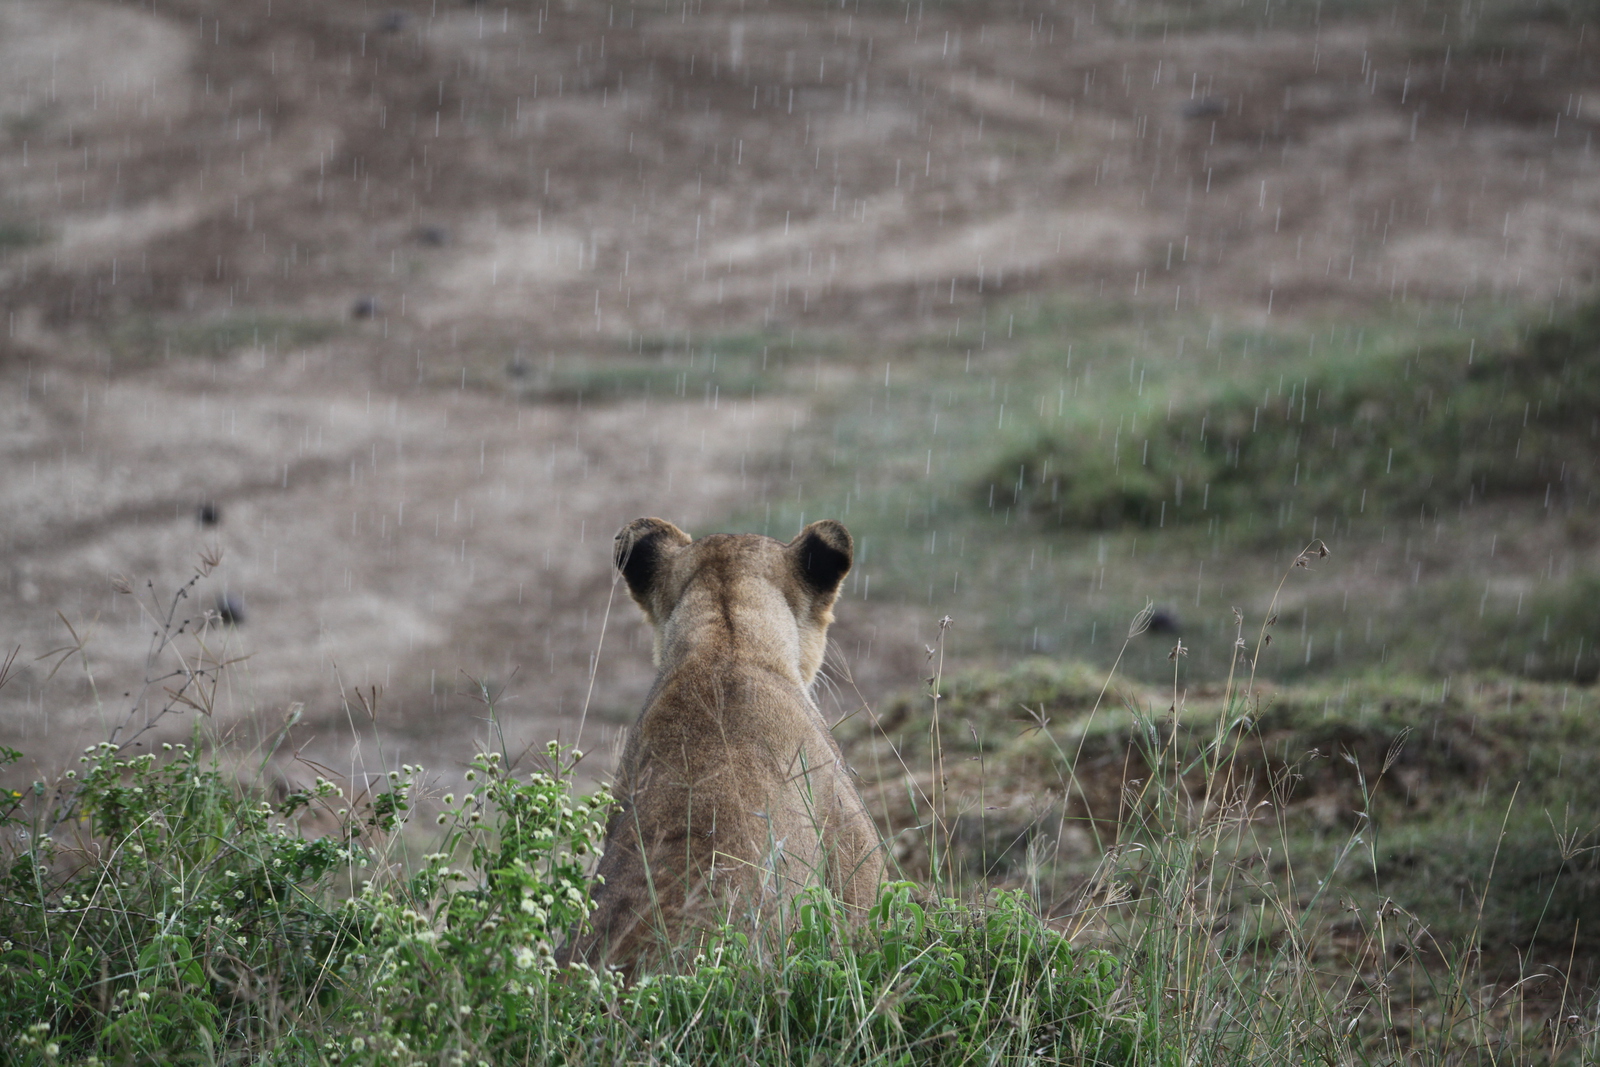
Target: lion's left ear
column 642, row 549
column 822, row 554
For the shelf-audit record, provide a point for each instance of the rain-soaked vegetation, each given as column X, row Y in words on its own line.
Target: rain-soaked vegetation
column 1211, row 387
column 1520, row 420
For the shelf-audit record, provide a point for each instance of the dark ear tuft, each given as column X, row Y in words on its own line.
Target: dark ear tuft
column 641, row 547
column 823, row 552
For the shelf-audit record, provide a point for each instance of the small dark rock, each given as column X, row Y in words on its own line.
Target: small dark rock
column 1206, row 107
column 517, row 367
column 433, row 236
column 209, row 513
column 230, row 609
column 365, row 307
column 1163, row 621
column 392, row 21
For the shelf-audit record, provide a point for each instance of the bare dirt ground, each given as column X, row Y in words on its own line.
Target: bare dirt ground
column 288, row 257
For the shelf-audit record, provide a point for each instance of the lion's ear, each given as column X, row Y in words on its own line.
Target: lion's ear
column 642, row 547
column 822, row 554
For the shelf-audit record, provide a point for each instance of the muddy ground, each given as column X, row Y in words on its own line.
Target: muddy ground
column 301, row 260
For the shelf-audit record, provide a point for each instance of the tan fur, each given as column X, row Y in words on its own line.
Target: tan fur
column 732, row 793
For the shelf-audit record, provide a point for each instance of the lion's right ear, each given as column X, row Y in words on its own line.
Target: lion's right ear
column 823, row 552
column 642, row 547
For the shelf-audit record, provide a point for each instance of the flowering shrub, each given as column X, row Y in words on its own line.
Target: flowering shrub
column 147, row 905
column 462, row 959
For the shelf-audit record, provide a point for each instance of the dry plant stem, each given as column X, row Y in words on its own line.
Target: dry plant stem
column 983, row 819
column 1316, row 548
column 877, row 766
column 594, row 667
column 191, row 678
column 1233, row 659
column 1177, row 710
column 383, row 854
column 1457, row 1010
column 1140, row 623
column 165, row 633
column 940, row 810
column 1072, row 781
column 1477, row 921
column 6, row 672
column 909, row 778
column 1213, row 764
column 491, row 703
column 1556, row 1040
column 355, row 734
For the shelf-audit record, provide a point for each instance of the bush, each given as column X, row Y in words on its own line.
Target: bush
column 147, row 906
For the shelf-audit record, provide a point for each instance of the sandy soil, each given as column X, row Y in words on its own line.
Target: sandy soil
column 407, row 202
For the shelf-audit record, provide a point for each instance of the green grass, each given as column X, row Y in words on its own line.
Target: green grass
column 1398, row 433
column 15, row 235
column 1484, row 20
column 724, row 369
column 714, row 371
column 145, row 339
column 1543, row 629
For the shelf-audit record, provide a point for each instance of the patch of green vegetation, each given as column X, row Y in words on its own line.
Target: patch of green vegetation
column 719, row 369
column 1556, row 13
column 1411, row 433
column 1201, row 16
column 15, row 235
column 1507, row 880
column 1477, row 22
column 709, row 376
column 1545, row 629
column 145, row 338
column 945, row 985
column 155, row 941
column 149, row 908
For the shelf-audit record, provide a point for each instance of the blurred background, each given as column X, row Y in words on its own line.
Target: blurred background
column 395, row 312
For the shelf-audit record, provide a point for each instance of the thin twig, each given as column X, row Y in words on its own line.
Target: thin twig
column 594, row 667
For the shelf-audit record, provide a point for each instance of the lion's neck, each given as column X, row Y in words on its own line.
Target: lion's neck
column 731, row 634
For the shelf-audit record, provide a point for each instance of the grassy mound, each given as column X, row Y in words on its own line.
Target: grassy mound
column 1472, row 802
column 1407, row 434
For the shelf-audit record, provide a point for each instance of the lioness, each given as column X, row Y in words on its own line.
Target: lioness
column 732, row 794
